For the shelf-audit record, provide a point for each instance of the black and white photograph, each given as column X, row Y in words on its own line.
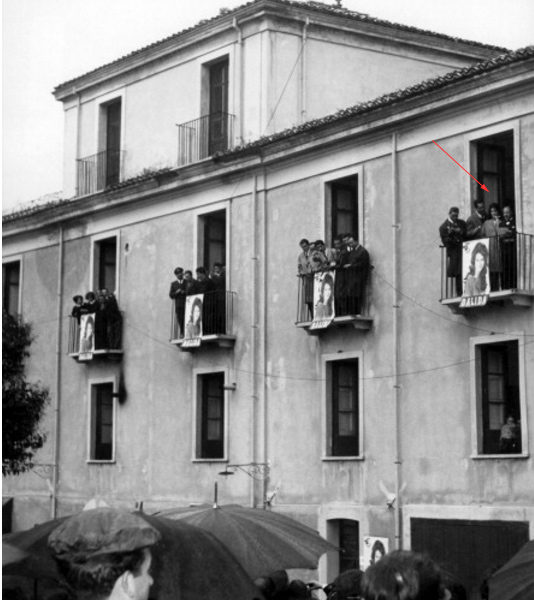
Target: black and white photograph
column 268, row 299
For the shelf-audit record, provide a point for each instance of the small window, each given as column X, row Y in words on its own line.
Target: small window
column 102, row 422
column 498, row 398
column 495, row 169
column 343, row 407
column 211, row 415
column 11, row 287
column 343, row 206
column 213, row 236
column 105, row 264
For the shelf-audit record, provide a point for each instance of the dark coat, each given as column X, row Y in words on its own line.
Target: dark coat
column 452, row 235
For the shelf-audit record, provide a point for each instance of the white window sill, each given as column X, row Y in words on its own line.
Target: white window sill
column 498, row 456
column 209, row 460
column 341, row 458
column 100, row 462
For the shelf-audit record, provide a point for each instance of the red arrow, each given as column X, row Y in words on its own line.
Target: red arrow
column 480, row 184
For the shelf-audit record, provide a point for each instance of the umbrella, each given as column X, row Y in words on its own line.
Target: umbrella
column 261, row 540
column 188, row 563
column 515, row 580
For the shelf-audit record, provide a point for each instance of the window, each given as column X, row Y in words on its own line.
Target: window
column 343, row 209
column 349, row 547
column 11, row 287
column 102, row 422
column 343, row 408
column 109, row 167
column 218, row 106
column 210, row 415
column 213, row 235
column 498, row 398
column 495, row 168
column 105, row 264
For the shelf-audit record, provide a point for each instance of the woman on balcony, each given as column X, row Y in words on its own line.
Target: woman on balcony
column 494, row 229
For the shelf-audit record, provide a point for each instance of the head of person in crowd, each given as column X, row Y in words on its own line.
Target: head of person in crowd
column 337, row 242
column 298, row 590
column 78, row 300
column 480, row 208
column 90, row 297
column 495, row 211
column 404, row 575
column 304, row 245
column 347, row 239
column 105, row 554
column 319, row 245
column 346, row 586
column 507, row 212
column 179, row 273
column 454, row 213
column 217, row 270
column 188, row 275
column 201, row 273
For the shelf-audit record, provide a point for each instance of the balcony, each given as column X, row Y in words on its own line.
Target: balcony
column 94, row 338
column 205, row 136
column 212, row 324
column 348, row 305
column 98, row 172
column 509, row 279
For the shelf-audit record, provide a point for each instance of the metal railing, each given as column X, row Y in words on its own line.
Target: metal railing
column 99, row 171
column 217, row 315
column 350, row 294
column 511, row 266
column 107, row 334
column 203, row 137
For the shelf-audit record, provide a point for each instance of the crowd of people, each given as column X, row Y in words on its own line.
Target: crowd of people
column 208, row 316
column 103, row 328
column 344, row 292
column 492, row 268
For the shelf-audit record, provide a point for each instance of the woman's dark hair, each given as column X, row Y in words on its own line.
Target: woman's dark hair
column 196, row 302
column 90, row 296
column 480, row 248
column 76, row 298
column 327, row 279
column 403, row 575
column 95, row 577
column 378, row 546
column 495, row 206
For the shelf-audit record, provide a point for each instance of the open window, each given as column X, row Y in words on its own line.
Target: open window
column 210, row 416
column 109, row 167
column 102, row 422
column 11, row 279
column 342, row 212
column 105, row 261
column 212, row 238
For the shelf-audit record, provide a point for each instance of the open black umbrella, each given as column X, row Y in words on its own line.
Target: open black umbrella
column 515, row 580
column 262, row 541
column 188, row 563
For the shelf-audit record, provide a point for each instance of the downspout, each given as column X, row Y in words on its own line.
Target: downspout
column 239, row 81
column 55, row 466
column 78, row 139
column 396, row 342
column 303, row 68
column 265, row 456
column 254, row 333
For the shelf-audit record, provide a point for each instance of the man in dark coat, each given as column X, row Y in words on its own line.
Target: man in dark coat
column 204, row 285
column 178, row 293
column 355, row 265
column 453, row 232
column 218, row 278
column 476, row 220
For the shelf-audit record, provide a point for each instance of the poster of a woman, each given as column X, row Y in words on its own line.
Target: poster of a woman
column 193, row 320
column 323, row 299
column 87, row 336
column 476, row 273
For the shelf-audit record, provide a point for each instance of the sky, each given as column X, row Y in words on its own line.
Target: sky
column 47, row 42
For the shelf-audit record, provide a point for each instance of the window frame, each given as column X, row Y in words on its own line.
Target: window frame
column 94, row 264
column 477, row 422
column 196, row 449
column 326, row 376
column 9, row 260
column 198, row 232
column 92, row 384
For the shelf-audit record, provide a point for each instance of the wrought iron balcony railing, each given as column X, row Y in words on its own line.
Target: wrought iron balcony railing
column 95, row 335
column 213, row 322
column 99, row 171
column 345, row 303
column 203, row 137
column 508, row 271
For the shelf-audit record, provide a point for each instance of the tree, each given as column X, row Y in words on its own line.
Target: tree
column 23, row 403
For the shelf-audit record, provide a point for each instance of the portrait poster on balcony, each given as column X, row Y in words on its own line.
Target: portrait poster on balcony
column 374, row 549
column 476, row 263
column 323, row 299
column 87, row 336
column 193, row 320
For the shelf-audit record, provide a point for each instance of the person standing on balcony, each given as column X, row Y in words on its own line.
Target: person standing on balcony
column 304, row 271
column 355, row 265
column 177, row 293
column 494, row 228
column 476, row 220
column 452, row 233
column 204, row 285
column 218, row 278
column 509, row 249
column 190, row 282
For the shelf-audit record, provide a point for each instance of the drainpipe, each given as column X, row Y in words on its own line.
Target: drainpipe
column 254, row 333
column 265, row 413
column 78, row 139
column 55, row 466
column 396, row 341
column 239, row 81
column 303, row 67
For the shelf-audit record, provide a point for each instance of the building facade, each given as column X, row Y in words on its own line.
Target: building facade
column 385, row 423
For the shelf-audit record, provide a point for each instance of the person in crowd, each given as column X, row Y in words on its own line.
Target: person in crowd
column 87, row 341
column 304, row 270
column 77, row 309
column 477, row 280
column 335, row 252
column 204, row 285
column 318, row 258
column 177, row 293
column 510, row 438
column 476, row 220
column 509, row 249
column 324, row 309
column 90, row 305
column 193, row 328
column 346, row 586
column 355, row 266
column 112, row 319
column 190, row 282
column 106, row 554
column 298, row 590
column 453, row 231
column 493, row 228
column 404, row 574
column 218, row 277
